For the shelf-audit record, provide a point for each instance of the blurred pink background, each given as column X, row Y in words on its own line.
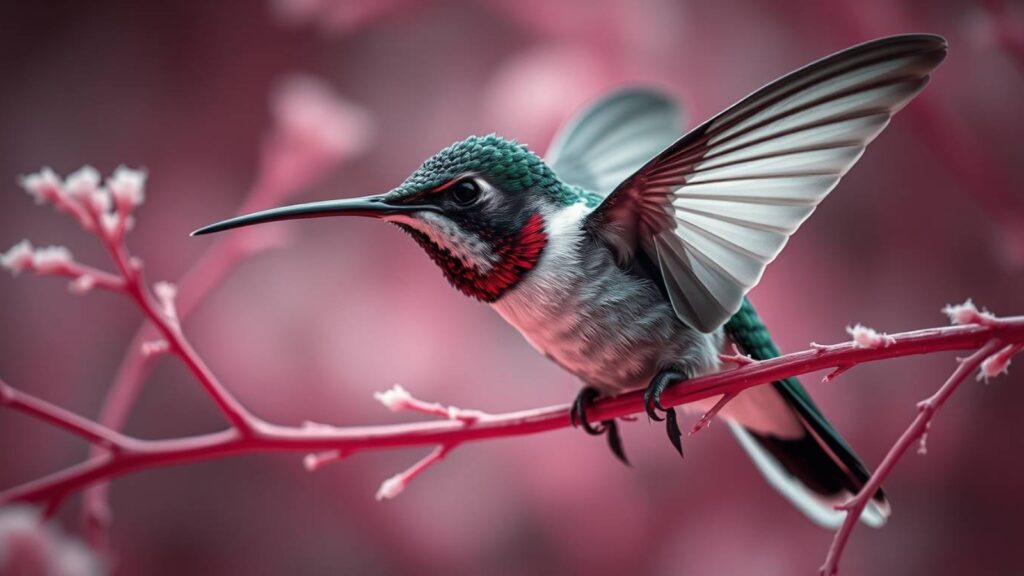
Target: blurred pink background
column 931, row 215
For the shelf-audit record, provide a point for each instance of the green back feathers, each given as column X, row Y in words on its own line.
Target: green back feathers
column 505, row 163
column 751, row 336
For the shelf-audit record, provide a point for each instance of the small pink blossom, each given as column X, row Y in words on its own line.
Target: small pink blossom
column 998, row 363
column 18, row 258
column 47, row 260
column 82, row 184
column 864, row 337
column 128, row 188
column 44, row 186
column 51, row 259
column 967, row 313
column 395, row 399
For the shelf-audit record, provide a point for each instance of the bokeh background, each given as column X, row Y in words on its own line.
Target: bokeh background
column 204, row 96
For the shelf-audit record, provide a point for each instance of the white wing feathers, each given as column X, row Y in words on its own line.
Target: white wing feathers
column 612, row 138
column 720, row 203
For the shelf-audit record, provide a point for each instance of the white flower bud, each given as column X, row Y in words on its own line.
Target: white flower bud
column 391, row 487
column 82, row 183
column 18, row 257
column 864, row 337
column 966, row 313
column 51, row 259
column 128, row 188
column 394, row 399
column 44, row 185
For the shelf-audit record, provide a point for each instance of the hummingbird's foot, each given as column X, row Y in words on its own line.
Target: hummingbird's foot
column 578, row 416
column 652, row 402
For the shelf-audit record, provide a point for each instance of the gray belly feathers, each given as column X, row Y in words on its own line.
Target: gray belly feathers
column 610, row 327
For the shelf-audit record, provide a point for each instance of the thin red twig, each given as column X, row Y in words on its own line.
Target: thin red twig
column 60, row 417
column 394, row 486
column 705, row 419
column 914, row 433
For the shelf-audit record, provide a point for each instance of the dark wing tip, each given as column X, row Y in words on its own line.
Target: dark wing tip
column 919, row 42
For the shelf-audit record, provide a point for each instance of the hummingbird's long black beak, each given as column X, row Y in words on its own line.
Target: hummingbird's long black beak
column 368, row 206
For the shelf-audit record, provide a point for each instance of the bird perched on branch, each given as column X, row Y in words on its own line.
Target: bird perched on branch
column 625, row 255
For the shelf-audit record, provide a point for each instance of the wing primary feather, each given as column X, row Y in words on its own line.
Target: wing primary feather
column 716, row 207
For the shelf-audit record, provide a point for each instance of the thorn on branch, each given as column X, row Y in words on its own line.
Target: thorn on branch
column 395, row 485
column 835, row 373
column 736, row 357
column 705, row 420
column 821, row 348
column 316, row 460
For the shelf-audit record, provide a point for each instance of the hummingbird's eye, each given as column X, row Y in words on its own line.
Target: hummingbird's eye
column 464, row 192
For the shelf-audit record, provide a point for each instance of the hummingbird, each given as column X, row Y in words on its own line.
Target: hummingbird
column 625, row 254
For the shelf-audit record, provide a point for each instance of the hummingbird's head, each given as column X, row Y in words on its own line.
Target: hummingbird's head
column 478, row 208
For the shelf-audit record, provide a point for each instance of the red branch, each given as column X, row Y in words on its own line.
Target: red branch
column 138, row 454
column 994, row 340
column 914, row 433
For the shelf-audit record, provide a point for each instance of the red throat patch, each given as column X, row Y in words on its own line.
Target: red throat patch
column 517, row 254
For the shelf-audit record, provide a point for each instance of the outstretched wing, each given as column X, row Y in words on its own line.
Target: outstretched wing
column 613, row 137
column 718, row 205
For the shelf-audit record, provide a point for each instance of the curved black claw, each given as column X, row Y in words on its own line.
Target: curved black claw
column 652, row 403
column 652, row 395
column 615, row 442
column 675, row 435
column 578, row 416
column 649, row 401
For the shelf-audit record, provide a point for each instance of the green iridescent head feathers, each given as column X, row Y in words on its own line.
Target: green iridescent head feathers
column 506, row 164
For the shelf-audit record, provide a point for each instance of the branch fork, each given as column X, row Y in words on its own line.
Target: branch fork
column 398, row 399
